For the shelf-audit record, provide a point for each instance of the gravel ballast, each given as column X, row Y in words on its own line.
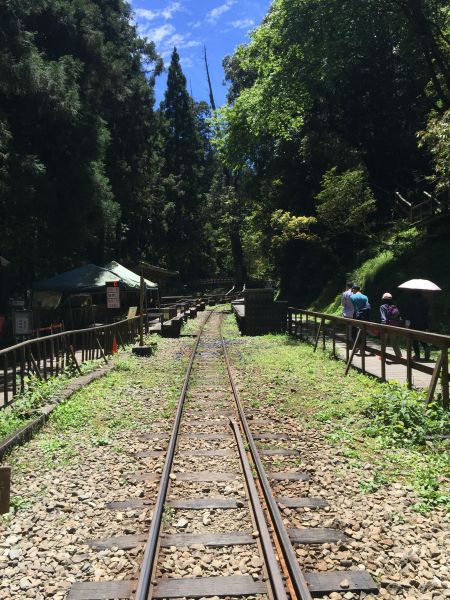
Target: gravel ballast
column 64, row 477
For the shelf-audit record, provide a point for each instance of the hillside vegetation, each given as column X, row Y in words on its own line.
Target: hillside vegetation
column 333, row 107
column 397, row 257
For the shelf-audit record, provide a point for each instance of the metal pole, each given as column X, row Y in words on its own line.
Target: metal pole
column 141, row 310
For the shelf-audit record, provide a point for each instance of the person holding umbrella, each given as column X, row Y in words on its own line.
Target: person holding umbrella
column 419, row 318
column 418, row 312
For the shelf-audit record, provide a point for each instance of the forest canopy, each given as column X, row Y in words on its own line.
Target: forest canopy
column 90, row 168
column 332, row 107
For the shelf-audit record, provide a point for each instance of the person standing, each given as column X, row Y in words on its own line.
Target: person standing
column 346, row 302
column 361, row 307
column 360, row 303
column 419, row 318
column 390, row 315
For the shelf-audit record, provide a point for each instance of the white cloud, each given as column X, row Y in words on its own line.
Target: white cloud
column 154, row 25
column 242, row 23
column 165, row 13
column 158, row 34
column 216, row 13
column 148, row 15
column 168, row 12
column 187, row 62
column 181, row 41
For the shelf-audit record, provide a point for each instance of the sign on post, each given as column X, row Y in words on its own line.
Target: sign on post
column 113, row 294
column 132, row 312
column 23, row 322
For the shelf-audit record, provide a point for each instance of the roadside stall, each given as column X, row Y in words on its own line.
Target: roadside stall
column 87, row 295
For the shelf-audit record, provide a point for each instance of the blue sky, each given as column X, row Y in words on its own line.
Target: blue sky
column 189, row 24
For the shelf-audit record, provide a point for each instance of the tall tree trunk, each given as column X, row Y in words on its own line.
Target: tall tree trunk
column 240, row 271
column 437, row 63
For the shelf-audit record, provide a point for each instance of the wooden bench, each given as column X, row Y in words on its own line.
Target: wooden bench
column 172, row 328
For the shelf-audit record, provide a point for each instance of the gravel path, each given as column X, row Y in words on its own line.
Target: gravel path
column 63, row 478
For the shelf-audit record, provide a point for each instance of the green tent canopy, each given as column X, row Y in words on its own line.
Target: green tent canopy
column 89, row 279
column 126, row 274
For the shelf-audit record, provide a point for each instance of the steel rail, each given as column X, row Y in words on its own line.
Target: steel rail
column 144, row 581
column 273, row 568
column 298, row 580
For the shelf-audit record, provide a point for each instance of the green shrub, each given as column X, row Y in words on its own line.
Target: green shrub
column 429, row 485
column 402, row 417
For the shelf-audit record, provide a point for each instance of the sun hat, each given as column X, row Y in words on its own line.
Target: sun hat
column 386, row 296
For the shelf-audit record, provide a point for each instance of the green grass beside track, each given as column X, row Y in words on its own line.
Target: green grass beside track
column 137, row 392
column 26, row 405
column 384, row 424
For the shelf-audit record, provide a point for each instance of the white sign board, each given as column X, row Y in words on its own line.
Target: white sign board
column 113, row 296
column 23, row 322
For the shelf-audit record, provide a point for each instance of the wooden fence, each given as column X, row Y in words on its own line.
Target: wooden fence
column 319, row 328
column 51, row 355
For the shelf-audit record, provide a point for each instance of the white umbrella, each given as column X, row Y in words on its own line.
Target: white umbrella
column 420, row 284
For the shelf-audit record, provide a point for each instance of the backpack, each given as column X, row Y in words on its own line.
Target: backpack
column 393, row 315
column 364, row 313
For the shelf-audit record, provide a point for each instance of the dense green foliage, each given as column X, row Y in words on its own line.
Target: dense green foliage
column 333, row 106
column 77, row 122
column 325, row 107
column 89, row 169
column 402, row 417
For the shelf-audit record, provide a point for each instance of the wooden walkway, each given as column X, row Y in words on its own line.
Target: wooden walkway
column 394, row 371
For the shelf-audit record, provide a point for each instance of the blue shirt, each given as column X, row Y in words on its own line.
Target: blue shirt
column 359, row 301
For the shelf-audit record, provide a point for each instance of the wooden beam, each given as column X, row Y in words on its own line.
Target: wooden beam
column 355, row 346
column 435, row 377
column 322, row 321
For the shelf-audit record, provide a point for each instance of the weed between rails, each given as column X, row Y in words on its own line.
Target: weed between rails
column 386, row 425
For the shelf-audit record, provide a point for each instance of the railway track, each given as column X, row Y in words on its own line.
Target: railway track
column 217, row 527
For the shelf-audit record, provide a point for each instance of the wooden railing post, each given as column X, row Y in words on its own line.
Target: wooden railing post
column 22, row 369
column 435, row 376
column 323, row 336
column 383, row 355
column 44, row 353
column 444, row 378
column 347, row 342
column 5, row 379
column 333, row 333
column 408, row 362
column 355, row 346
column 318, row 333
column 363, row 349
column 14, row 374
